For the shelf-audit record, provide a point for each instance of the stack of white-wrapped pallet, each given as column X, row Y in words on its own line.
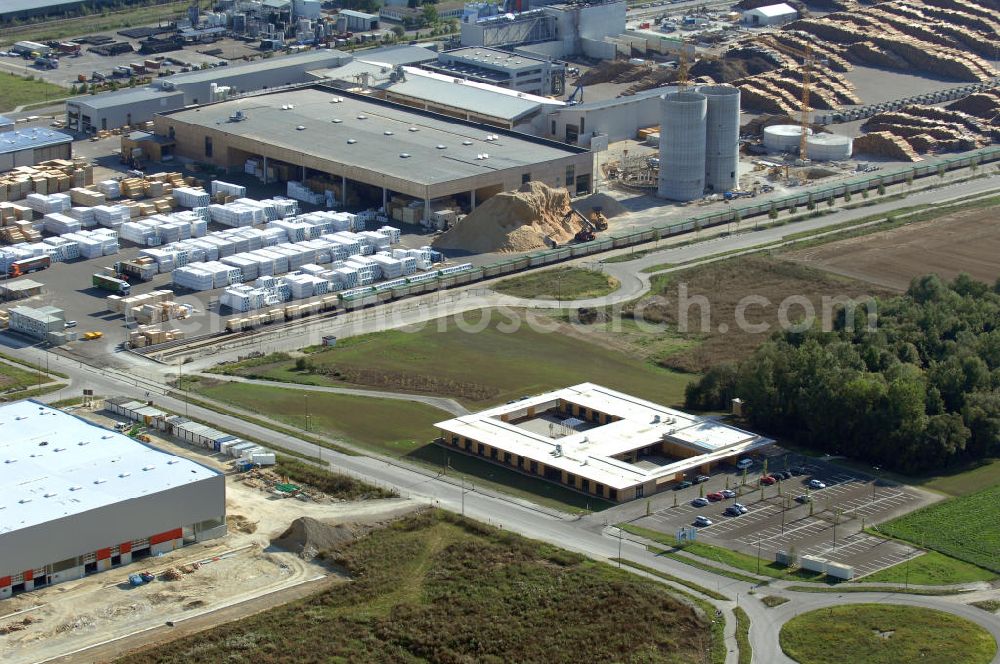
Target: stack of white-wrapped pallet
column 110, row 188
column 111, row 216
column 45, row 204
column 192, row 197
column 59, row 224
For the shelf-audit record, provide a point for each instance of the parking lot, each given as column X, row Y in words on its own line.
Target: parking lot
column 788, row 515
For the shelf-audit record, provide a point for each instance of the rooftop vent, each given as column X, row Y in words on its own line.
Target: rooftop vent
column 124, row 474
column 11, row 461
column 362, row 116
column 83, row 442
column 414, row 129
column 24, row 500
column 148, row 468
column 466, row 142
column 75, row 488
column 173, row 461
column 387, row 132
column 300, row 127
column 336, row 121
column 351, row 141
column 442, row 147
column 50, row 494
column 404, row 155
column 100, row 481
column 43, row 443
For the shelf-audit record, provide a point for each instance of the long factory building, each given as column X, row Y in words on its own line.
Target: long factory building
column 372, row 148
column 79, row 499
column 599, row 441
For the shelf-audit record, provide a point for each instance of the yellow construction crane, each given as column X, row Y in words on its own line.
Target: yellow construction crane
column 808, row 62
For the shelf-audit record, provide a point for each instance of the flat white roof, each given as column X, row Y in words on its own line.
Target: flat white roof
column 780, row 9
column 590, row 453
column 55, row 464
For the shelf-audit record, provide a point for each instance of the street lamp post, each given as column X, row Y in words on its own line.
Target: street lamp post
column 874, row 482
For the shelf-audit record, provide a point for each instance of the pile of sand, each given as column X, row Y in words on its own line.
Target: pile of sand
column 307, row 537
column 515, row 221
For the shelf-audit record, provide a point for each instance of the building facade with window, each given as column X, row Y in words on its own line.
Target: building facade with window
column 599, row 441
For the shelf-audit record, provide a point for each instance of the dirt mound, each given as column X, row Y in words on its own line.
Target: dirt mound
column 610, row 207
column 514, row 221
column 308, row 537
column 240, row 523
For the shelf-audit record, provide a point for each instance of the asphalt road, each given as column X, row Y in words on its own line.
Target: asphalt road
column 585, row 535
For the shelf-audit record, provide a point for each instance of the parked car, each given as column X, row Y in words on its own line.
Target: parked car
column 715, row 496
column 701, row 478
column 743, row 464
column 816, row 484
column 682, row 485
column 741, row 507
column 782, row 475
column 71, row 323
column 728, row 493
column 699, row 502
column 798, row 470
column 702, row 521
column 804, row 498
column 733, row 510
column 768, row 480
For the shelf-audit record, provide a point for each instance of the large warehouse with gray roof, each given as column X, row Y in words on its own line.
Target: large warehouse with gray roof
column 78, row 498
column 373, row 146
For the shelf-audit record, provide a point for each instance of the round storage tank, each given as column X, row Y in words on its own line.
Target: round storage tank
column 829, row 147
column 783, row 138
column 722, row 137
column 682, row 146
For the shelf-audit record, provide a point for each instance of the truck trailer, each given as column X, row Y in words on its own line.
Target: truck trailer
column 116, row 286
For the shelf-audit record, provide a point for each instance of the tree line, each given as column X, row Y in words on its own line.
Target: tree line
column 918, row 391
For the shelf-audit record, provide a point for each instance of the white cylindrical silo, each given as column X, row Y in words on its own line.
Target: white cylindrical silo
column 682, row 146
column 783, row 138
column 722, row 137
column 829, row 147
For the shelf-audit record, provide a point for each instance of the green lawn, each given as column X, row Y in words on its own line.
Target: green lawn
column 743, row 635
column 488, row 359
column 439, row 589
column 968, row 481
column 931, row 569
column 14, row 378
column 724, row 556
column 965, row 527
column 659, row 267
column 387, row 426
column 16, row 90
column 885, row 634
column 563, row 283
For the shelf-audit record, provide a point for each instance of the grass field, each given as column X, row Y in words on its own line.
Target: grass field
column 743, row 635
column 13, row 378
column 714, row 333
column 967, row 481
column 931, row 569
column 482, row 362
column 563, row 283
column 17, row 91
column 965, row 527
column 885, row 634
column 387, row 426
column 82, row 25
column 440, row 589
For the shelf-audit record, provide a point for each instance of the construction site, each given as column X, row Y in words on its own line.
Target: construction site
column 275, row 527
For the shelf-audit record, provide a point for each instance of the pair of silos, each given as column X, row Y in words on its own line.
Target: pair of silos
column 699, row 142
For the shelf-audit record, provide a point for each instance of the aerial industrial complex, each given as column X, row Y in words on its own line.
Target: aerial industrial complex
column 78, row 498
column 600, row 441
column 358, row 140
